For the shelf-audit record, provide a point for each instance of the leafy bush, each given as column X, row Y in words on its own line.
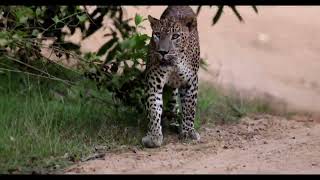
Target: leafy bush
column 122, row 71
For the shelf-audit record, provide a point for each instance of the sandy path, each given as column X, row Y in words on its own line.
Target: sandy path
column 264, row 144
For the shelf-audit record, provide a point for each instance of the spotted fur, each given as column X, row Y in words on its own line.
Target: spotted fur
column 174, row 57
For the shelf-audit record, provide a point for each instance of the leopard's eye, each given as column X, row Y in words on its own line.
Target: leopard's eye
column 157, row 34
column 175, row 36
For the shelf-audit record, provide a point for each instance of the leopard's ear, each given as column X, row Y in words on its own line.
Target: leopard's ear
column 190, row 22
column 152, row 21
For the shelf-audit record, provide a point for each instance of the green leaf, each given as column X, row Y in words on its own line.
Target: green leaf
column 78, row 8
column 21, row 33
column 55, row 19
column 130, row 43
column 16, row 36
column 137, row 19
column 35, row 32
column 23, row 14
column 23, row 19
column 4, row 34
column 3, row 42
column 203, row 64
column 82, row 18
column 64, row 10
column 38, row 11
column 144, row 37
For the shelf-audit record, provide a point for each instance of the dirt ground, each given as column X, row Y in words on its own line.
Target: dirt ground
column 275, row 53
column 264, row 144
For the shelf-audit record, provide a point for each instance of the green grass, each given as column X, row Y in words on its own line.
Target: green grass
column 215, row 106
column 42, row 120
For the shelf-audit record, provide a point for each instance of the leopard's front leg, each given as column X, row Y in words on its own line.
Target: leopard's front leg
column 154, row 106
column 188, row 95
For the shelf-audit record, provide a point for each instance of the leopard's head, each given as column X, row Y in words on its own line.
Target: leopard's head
column 170, row 36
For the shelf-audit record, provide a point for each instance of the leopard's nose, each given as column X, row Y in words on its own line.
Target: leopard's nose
column 163, row 52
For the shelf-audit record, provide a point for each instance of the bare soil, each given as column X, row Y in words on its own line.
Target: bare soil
column 275, row 53
column 262, row 144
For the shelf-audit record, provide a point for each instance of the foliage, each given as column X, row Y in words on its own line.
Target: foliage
column 122, row 71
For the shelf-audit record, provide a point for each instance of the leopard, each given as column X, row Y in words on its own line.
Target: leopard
column 173, row 61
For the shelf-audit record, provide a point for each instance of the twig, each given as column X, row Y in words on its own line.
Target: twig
column 54, row 78
column 94, row 156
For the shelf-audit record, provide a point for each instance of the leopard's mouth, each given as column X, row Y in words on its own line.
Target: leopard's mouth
column 167, row 60
column 164, row 62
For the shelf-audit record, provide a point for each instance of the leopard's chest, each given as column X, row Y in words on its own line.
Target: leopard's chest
column 177, row 78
